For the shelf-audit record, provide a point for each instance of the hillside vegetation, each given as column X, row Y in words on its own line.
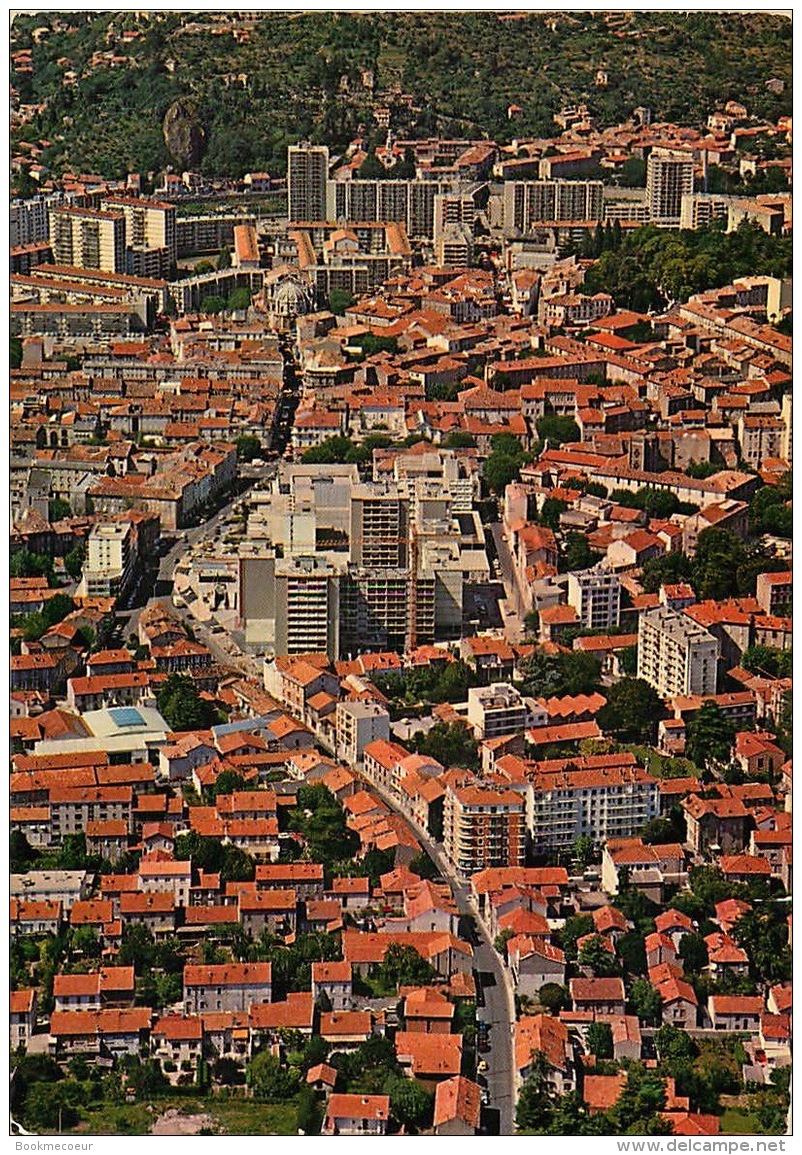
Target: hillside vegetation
column 303, row 77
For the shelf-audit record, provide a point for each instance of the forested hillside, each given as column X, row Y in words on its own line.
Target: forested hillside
column 283, row 76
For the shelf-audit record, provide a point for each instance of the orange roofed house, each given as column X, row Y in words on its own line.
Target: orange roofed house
column 357, row 1115
column 457, row 1107
column 227, row 987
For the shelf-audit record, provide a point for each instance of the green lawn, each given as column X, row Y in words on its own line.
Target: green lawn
column 656, row 761
column 735, row 1122
column 231, row 1116
column 247, row 1117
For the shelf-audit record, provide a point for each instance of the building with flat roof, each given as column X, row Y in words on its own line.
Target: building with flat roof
column 675, row 655
column 307, row 174
column 669, row 177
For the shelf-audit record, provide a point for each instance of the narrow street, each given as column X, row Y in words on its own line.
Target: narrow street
column 499, row 1001
column 513, row 630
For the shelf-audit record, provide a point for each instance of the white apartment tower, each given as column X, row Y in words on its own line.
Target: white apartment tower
column 88, row 239
column 595, row 594
column 675, row 655
column 307, row 173
column 669, row 177
column 110, row 559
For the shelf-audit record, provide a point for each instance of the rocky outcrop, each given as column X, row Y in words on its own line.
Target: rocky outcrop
column 184, row 134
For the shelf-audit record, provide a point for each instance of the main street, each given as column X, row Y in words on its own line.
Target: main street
column 499, row 999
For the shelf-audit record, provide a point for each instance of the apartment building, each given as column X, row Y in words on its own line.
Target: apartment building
column 602, row 802
column 411, row 203
column 88, row 238
column 699, row 210
column 483, row 827
column 307, row 606
column 499, row 709
column 307, row 176
column 595, row 594
column 226, row 987
column 530, row 203
column 72, row 809
column 358, row 724
column 669, row 177
column 774, row 592
column 110, row 560
column 675, row 655
column 150, row 234
column 379, row 527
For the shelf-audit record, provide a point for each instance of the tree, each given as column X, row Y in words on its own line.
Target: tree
column 556, row 431
column 25, row 563
column 58, row 509
column 540, row 673
column 228, row 1072
column 248, row 447
column 340, row 300
column 631, row 950
column 580, row 673
column 501, row 469
column 553, row 997
column 411, row 1105
column 181, row 705
column 450, row 744
column 332, row 451
column 575, row 928
column 550, row 513
column 693, row 952
column 423, row 866
column 269, row 1080
column 535, row 1109
column 628, row 661
column 646, row 1002
column 224, row 260
column 631, row 711
column 672, row 1043
column 669, row 569
column 310, row 1114
column 637, row 1111
column 74, row 562
column 20, row 852
column 719, row 553
column 226, row 783
column 15, row 349
column 599, row 1040
column 594, row 953
column 46, row 1108
column 710, row 735
column 584, row 850
column 212, row 304
column 402, row 966
column 578, row 555
column 239, row 299
column 459, row 439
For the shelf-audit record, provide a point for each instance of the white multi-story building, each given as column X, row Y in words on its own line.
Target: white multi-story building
column 669, row 177
column 595, row 594
column 675, row 655
column 500, row 709
column 358, row 724
column 110, row 561
column 88, row 239
column 528, row 203
column 599, row 802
